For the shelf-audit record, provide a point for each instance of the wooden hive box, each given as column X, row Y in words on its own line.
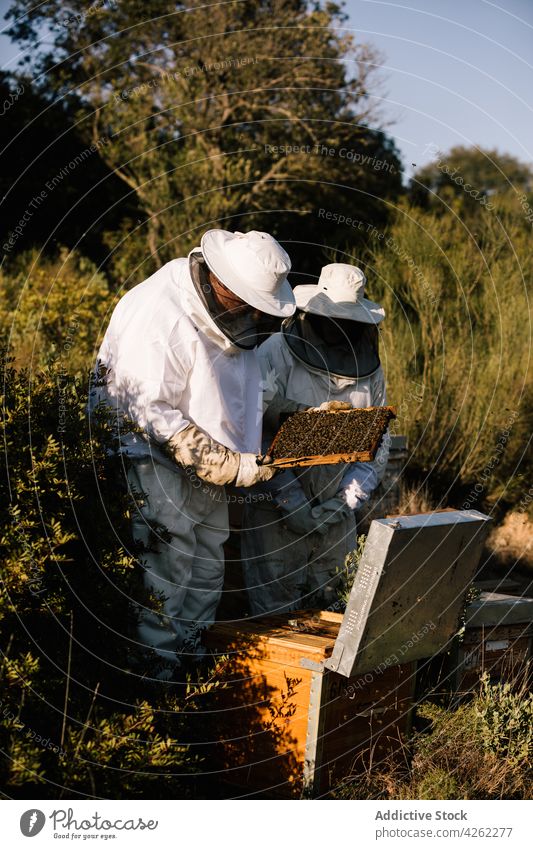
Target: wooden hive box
column 497, row 638
column 312, row 696
column 304, row 727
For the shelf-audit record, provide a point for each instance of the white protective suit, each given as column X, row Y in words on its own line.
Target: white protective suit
column 285, row 570
column 168, row 365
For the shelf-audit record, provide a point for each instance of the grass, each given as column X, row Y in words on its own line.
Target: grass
column 478, row 749
column 455, row 348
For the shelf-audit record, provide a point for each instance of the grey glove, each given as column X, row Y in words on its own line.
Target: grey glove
column 298, row 513
column 214, row 462
column 331, row 512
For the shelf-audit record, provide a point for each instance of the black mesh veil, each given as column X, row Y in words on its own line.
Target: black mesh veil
column 338, row 347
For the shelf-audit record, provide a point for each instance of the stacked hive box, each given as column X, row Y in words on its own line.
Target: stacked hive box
column 497, row 639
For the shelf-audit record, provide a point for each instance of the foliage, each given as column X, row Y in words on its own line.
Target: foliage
column 205, row 110
column 53, row 309
column 505, row 721
column 455, row 346
column 53, row 187
column 349, row 571
column 481, row 749
column 75, row 716
column 473, row 174
column 484, row 747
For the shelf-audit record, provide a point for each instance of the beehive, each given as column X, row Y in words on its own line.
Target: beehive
column 314, row 695
column 497, row 638
column 306, row 727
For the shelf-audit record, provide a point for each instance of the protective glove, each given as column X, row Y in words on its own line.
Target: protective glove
column 331, row 512
column 213, row 462
column 330, row 406
column 297, row 512
column 250, row 472
column 303, row 522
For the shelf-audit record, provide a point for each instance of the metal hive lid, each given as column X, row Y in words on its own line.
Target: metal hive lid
column 409, row 589
column 499, row 609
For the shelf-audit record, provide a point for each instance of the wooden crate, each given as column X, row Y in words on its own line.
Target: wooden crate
column 498, row 639
column 305, row 728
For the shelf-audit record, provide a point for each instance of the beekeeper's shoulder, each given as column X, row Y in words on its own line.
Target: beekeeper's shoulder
column 159, row 294
column 163, row 281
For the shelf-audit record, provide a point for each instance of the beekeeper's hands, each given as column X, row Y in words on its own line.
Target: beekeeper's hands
column 297, row 512
column 250, row 472
column 213, row 462
column 331, row 512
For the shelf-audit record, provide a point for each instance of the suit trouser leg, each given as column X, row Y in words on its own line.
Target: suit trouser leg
column 183, row 563
column 274, row 561
column 207, row 578
column 326, row 562
column 284, row 571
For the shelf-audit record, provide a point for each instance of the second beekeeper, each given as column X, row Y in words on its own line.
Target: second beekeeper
column 298, row 531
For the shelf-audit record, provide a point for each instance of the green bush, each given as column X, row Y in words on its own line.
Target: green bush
column 74, row 719
column 455, row 346
column 505, row 721
column 53, row 309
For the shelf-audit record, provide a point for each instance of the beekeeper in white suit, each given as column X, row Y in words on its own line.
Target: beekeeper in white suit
column 179, row 359
column 295, row 544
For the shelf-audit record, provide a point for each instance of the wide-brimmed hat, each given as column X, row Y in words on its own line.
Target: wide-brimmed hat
column 254, row 266
column 340, row 293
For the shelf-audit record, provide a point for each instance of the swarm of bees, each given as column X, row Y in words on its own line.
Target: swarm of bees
column 313, row 433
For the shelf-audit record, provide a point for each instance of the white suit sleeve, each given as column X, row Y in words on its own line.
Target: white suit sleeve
column 275, row 364
column 151, row 398
column 361, row 479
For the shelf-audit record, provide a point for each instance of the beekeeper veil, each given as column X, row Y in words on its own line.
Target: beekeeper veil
column 335, row 328
column 254, row 267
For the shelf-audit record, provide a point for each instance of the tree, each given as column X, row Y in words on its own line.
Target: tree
column 472, row 174
column 252, row 113
column 53, row 188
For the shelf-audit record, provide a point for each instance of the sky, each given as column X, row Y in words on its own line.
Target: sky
column 455, row 72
